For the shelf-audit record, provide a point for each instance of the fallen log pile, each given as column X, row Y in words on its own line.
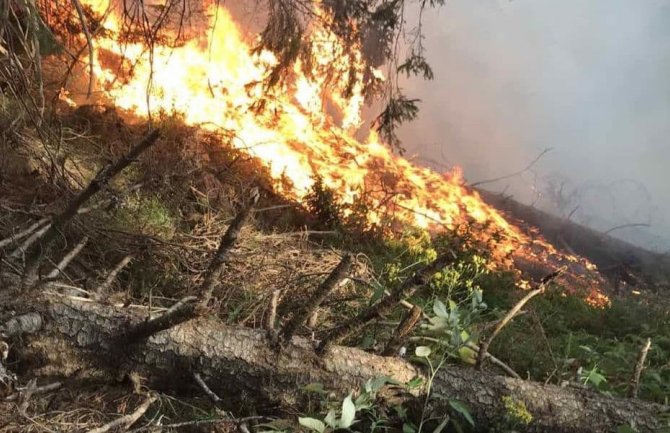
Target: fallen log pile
column 77, row 335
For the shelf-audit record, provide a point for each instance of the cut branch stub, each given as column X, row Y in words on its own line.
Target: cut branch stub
column 420, row 278
column 35, row 252
column 329, row 284
column 181, row 312
column 109, row 280
column 227, row 242
column 402, row 332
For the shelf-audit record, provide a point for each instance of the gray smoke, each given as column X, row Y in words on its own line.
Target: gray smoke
column 589, row 79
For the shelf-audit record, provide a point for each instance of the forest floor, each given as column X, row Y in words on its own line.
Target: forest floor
column 168, row 212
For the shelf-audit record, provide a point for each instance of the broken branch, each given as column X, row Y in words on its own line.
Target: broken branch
column 300, row 317
column 127, row 420
column 639, row 366
column 34, row 254
column 68, row 258
column 410, row 285
column 400, row 334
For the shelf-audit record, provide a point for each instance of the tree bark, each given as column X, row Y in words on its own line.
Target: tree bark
column 238, row 363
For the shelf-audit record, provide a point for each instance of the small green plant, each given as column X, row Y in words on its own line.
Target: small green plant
column 516, row 413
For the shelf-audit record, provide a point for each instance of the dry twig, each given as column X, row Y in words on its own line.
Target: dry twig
column 483, row 348
column 639, row 366
column 127, row 420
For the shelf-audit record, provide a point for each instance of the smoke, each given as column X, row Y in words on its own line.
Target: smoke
column 589, row 79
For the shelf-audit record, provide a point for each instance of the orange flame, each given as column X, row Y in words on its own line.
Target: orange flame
column 207, row 81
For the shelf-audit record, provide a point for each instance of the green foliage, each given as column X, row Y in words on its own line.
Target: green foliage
column 147, row 215
column 516, row 413
column 399, row 109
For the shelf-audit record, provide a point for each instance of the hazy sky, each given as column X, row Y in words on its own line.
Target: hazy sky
column 588, row 78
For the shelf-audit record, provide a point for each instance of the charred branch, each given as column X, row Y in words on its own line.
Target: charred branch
column 180, row 312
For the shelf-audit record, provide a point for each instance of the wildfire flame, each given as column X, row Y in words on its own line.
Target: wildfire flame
column 207, row 81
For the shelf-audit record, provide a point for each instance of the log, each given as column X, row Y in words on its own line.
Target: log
column 81, row 335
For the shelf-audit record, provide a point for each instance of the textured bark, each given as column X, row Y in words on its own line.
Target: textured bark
column 238, row 363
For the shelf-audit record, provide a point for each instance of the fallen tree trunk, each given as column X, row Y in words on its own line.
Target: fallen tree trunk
column 238, row 363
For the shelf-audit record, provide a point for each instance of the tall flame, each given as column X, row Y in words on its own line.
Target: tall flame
column 207, row 81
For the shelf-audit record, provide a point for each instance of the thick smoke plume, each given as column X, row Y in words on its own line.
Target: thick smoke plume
column 589, row 79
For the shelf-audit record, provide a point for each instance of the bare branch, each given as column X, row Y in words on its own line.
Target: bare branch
column 300, row 317
column 271, row 316
column 625, row 226
column 34, row 254
column 65, row 261
column 206, row 389
column 180, row 312
column 20, row 235
column 516, row 173
column 127, row 420
column 102, row 288
column 483, row 349
column 89, row 42
column 218, row 261
column 639, row 366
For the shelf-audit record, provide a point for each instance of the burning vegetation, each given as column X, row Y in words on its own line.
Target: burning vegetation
column 300, row 116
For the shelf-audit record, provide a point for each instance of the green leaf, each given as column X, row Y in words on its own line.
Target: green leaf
column 408, row 428
column 348, row 413
column 312, row 424
column 625, row 429
column 378, row 293
column 463, row 409
column 440, row 309
column 377, row 383
column 415, row 382
column 422, row 351
column 467, row 355
column 331, row 419
column 442, row 425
